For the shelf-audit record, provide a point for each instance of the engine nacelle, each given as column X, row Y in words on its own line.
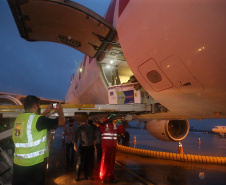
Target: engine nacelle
column 168, row 130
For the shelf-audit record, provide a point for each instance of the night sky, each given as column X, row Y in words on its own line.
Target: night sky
column 42, row 68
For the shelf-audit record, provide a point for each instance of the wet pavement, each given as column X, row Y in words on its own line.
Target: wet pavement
column 132, row 169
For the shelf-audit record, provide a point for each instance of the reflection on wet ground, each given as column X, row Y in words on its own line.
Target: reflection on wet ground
column 132, row 169
column 168, row 172
column 211, row 145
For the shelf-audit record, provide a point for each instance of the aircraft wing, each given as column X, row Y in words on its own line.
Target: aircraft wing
column 17, row 99
column 63, row 22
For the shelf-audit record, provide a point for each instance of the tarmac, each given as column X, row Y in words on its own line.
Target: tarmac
column 137, row 170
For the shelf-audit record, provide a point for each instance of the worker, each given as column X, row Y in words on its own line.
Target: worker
column 98, row 148
column 30, row 140
column 133, row 79
column 85, row 136
column 69, row 133
column 122, row 133
column 108, row 143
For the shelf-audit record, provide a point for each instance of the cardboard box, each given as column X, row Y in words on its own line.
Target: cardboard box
column 126, row 94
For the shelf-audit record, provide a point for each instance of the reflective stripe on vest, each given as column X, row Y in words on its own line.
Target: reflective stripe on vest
column 30, row 155
column 112, row 138
column 108, row 134
column 31, row 144
column 29, row 124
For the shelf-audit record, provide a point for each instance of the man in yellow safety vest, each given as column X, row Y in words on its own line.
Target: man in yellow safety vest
column 30, row 140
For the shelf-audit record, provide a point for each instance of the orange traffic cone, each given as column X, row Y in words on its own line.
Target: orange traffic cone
column 199, row 141
column 180, row 148
column 134, row 141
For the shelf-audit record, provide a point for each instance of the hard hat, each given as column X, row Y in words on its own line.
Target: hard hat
column 119, row 121
column 111, row 116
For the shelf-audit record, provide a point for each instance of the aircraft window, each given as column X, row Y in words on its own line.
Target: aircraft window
column 82, row 68
column 80, row 71
column 72, row 78
column 84, row 65
column 76, row 86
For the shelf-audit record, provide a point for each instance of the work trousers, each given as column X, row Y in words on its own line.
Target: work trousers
column 70, row 154
column 99, row 156
column 107, row 163
column 29, row 175
column 85, row 160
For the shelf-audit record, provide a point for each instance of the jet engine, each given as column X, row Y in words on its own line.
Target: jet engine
column 168, row 130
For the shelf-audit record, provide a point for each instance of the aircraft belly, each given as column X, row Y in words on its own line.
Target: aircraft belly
column 180, row 76
column 179, row 42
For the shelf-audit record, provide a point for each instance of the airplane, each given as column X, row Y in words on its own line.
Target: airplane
column 17, row 99
column 220, row 130
column 174, row 49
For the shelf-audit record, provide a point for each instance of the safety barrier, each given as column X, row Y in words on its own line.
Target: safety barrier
column 173, row 156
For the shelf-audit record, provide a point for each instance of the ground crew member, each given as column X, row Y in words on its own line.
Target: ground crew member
column 122, row 133
column 85, row 136
column 108, row 143
column 69, row 133
column 30, row 140
column 97, row 144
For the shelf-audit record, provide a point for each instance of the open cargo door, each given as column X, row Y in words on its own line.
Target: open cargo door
column 63, row 22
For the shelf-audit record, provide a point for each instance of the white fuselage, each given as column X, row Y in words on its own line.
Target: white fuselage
column 221, row 130
column 176, row 50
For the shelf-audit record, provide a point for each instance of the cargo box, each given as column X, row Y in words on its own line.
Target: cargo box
column 127, row 94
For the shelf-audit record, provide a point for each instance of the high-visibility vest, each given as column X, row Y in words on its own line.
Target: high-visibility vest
column 31, row 145
column 108, row 135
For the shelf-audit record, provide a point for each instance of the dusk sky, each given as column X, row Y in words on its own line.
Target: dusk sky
column 42, row 68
